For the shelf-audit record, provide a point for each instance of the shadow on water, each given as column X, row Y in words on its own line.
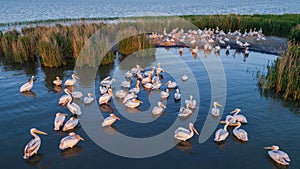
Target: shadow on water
column 29, row 94
column 36, row 160
column 185, row 146
column 71, row 152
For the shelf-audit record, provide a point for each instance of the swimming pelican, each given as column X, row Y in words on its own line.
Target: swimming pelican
column 184, row 111
column 171, row 85
column 278, row 156
column 177, row 95
column 57, row 81
column 156, row 85
column 231, row 120
column 33, row 145
column 69, row 141
column 191, row 103
column 74, row 108
column 108, row 121
column 121, row 94
column 185, row 134
column 159, row 69
column 27, row 86
column 222, row 133
column 129, row 96
column 59, row 120
column 105, row 98
column 148, row 85
column 77, row 94
column 125, row 84
column 106, row 81
column 70, row 124
column 238, row 117
column 159, row 108
column 71, row 82
column 240, row 133
column 63, row 100
column 215, row 111
column 184, row 77
column 89, row 99
column 128, row 74
column 165, row 94
column 135, row 90
column 103, row 89
column 133, row 103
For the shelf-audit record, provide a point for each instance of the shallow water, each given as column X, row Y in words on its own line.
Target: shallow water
column 271, row 121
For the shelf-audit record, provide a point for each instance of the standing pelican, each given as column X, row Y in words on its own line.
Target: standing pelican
column 74, row 108
column 27, row 86
column 159, row 108
column 89, row 99
column 33, row 145
column 177, row 95
column 240, row 133
column 57, row 81
column 191, row 103
column 215, row 111
column 70, row 124
column 71, row 82
column 63, row 100
column 185, row 134
column 69, row 141
column 59, row 120
column 222, row 133
column 278, row 156
column 105, row 98
column 108, row 121
column 133, row 103
column 238, row 117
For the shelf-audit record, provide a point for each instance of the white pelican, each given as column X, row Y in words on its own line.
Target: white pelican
column 184, row 112
column 74, row 108
column 240, row 133
column 133, row 103
column 177, row 95
column 191, row 103
column 108, row 121
column 185, row 134
column 184, row 77
column 69, row 141
column 77, row 94
column 107, row 82
column 238, row 117
column 208, row 46
column 135, row 90
column 129, row 96
column 215, row 111
column 246, row 52
column 147, row 79
column 125, row 84
column 70, row 124
column 278, row 156
column 148, row 85
column 121, row 94
column 71, row 82
column 171, row 85
column 165, row 94
column 227, row 48
column 105, row 98
column 222, row 133
column 217, row 48
column 103, row 89
column 33, row 145
column 156, row 85
column 27, row 86
column 231, row 120
column 89, row 99
column 59, row 120
column 136, row 69
column 238, row 42
column 57, row 81
column 159, row 69
column 128, row 74
column 63, row 100
column 159, row 108
column 147, row 73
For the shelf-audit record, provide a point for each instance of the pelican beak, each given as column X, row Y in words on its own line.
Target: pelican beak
column 218, row 104
column 233, row 124
column 223, row 122
column 195, row 131
column 79, row 137
column 268, row 148
column 163, row 106
column 115, row 117
column 40, row 132
column 64, row 114
column 234, row 111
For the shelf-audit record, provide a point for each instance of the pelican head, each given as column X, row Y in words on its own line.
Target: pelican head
column 160, row 104
column 31, row 80
column 34, row 130
column 74, row 76
column 158, row 64
column 177, row 90
column 114, row 116
column 75, row 135
column 137, row 101
column 191, row 126
column 110, row 92
column 272, row 148
column 217, row 104
column 90, row 94
column 237, row 110
column 57, row 78
column 169, row 82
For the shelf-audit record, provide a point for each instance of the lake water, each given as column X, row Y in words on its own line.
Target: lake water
column 28, row 10
column 271, row 120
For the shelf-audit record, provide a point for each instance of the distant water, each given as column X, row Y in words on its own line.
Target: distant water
column 28, row 10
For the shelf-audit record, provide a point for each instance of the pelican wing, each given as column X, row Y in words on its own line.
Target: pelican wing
column 108, row 121
column 221, row 135
column 31, row 148
column 64, row 99
column 104, row 98
column 241, row 118
column 68, row 142
column 280, row 157
column 88, row 100
column 70, row 124
column 241, row 134
column 181, row 129
column 182, row 134
column 157, row 110
column 58, row 122
column 70, row 82
column 26, row 87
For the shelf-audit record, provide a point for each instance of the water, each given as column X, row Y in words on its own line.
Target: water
column 28, row 10
column 271, row 121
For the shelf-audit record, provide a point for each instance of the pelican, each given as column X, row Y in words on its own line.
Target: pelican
column 148, row 85
column 177, row 95
column 125, row 84
column 74, row 108
column 246, row 52
column 240, row 133
column 278, row 156
column 231, row 120
column 171, row 85
column 147, row 79
column 77, row 94
column 105, row 98
column 27, row 86
column 59, row 120
column 57, row 81
column 191, row 103
column 184, row 111
column 107, row 82
column 238, row 117
column 103, row 89
column 215, row 111
column 121, row 94
column 136, row 69
column 70, row 124
column 184, row 77
column 63, row 100
column 89, row 99
column 147, row 73
column 227, row 48
column 128, row 74
column 222, row 133
column 71, row 82
column 185, row 134
column 108, row 121
column 165, row 94
column 159, row 108
column 159, row 69
column 156, row 85
column 33, row 145
column 133, row 103
column 135, row 90
column 217, row 48
column 129, row 96
column 69, row 141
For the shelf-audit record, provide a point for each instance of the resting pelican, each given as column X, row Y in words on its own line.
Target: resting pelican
column 57, row 81
column 148, row 85
column 278, row 156
column 133, row 103
column 159, row 108
column 70, row 124
column 129, row 96
column 159, row 69
column 108, row 121
column 136, row 69
column 165, row 94
column 77, row 94
column 184, row 77
column 191, row 103
column 177, row 95
column 121, row 94
column 222, row 133
column 69, row 141
column 74, row 108
column 184, row 111
column 33, row 145
column 105, row 98
column 156, row 85
column 215, row 111
column 227, row 48
column 185, row 134
column 238, row 117
column 231, row 120
column 147, row 73
column 135, row 90
column 128, row 74
column 71, row 82
column 171, row 85
column 63, row 100
column 103, row 89
column 246, row 52
column 27, row 86
column 147, row 79
column 59, row 120
column 125, row 84
column 240, row 133
column 89, row 99
column 106, row 81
